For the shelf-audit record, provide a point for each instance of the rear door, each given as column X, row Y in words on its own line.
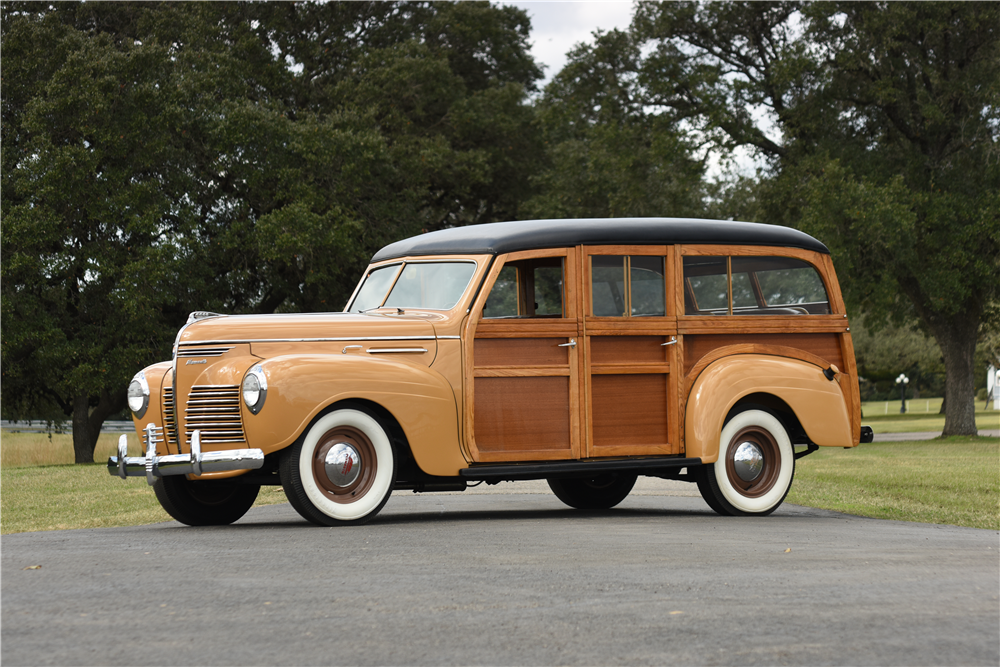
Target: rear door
column 630, row 352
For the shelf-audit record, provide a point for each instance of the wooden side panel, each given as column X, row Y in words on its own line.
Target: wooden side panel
column 523, row 414
column 630, row 411
column 623, row 350
column 520, row 352
column 824, row 345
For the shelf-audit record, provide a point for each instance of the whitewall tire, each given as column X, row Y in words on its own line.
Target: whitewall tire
column 342, row 470
column 755, row 467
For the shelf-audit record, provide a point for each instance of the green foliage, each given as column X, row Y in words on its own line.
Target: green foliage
column 238, row 157
column 879, row 125
column 608, row 156
column 885, row 352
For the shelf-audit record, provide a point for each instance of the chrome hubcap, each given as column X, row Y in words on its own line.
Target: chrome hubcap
column 342, row 464
column 748, row 461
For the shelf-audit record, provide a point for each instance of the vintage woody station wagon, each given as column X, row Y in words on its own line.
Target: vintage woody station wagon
column 582, row 352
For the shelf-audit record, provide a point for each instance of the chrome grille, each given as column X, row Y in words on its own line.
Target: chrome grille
column 203, row 351
column 215, row 411
column 169, row 422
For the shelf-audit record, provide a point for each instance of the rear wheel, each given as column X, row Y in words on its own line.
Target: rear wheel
column 204, row 503
column 595, row 493
column 755, row 467
column 342, row 470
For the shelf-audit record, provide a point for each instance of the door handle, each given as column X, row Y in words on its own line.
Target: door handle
column 673, row 339
column 571, row 343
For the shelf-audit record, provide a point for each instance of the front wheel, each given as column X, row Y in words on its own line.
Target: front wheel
column 596, row 493
column 341, row 471
column 755, row 467
column 203, row 503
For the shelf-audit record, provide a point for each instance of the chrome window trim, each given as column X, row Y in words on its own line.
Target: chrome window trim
column 341, row 339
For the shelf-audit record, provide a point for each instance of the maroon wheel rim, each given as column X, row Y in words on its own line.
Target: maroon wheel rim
column 367, row 460
column 771, row 453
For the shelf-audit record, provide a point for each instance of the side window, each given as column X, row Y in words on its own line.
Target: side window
column 760, row 286
column 647, row 292
column 607, row 286
column 503, row 297
column 706, row 285
column 548, row 283
column 527, row 288
column 784, row 282
column 624, row 286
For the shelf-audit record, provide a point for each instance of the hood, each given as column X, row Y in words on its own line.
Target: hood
column 307, row 326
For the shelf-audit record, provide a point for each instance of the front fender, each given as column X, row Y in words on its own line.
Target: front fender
column 300, row 386
column 817, row 402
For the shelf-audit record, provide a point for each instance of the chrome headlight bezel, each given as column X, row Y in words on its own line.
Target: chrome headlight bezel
column 137, row 395
column 254, row 396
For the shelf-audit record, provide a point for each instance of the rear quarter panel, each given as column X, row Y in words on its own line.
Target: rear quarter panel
column 819, row 404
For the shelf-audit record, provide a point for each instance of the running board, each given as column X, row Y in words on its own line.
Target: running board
column 525, row 471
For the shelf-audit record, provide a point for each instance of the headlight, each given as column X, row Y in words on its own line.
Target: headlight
column 138, row 394
column 255, row 389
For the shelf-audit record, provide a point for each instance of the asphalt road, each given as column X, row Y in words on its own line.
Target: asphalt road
column 508, row 579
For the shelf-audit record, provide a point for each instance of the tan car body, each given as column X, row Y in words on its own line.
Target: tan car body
column 419, row 367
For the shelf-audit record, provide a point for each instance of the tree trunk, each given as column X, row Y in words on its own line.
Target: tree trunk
column 958, row 347
column 87, row 422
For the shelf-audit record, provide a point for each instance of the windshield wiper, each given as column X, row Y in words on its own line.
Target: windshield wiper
column 399, row 311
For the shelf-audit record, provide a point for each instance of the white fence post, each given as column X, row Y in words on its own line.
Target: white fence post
column 992, row 388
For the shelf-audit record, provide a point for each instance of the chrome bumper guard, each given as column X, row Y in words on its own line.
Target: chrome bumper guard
column 195, row 463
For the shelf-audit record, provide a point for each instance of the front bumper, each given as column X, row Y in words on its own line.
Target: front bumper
column 197, row 462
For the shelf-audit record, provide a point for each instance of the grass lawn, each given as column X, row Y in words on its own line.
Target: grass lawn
column 947, row 480
column 58, row 497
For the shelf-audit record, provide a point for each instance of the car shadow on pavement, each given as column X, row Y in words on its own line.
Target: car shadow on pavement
column 437, row 515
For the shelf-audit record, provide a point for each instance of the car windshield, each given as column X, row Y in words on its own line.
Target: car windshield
column 432, row 285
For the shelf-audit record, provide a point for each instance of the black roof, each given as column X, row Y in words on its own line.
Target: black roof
column 502, row 237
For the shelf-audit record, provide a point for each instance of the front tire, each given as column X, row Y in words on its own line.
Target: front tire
column 204, row 503
column 342, row 470
column 755, row 467
column 596, row 493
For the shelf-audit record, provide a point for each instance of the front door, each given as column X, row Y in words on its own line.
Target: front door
column 523, row 364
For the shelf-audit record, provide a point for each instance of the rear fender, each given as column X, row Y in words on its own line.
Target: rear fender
column 301, row 386
column 817, row 402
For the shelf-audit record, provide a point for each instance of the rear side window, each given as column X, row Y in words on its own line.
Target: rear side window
column 783, row 281
column 752, row 286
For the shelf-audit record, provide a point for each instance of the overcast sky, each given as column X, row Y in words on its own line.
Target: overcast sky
column 558, row 26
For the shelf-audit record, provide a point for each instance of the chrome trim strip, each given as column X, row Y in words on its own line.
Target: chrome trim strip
column 185, row 351
column 390, row 350
column 314, row 340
